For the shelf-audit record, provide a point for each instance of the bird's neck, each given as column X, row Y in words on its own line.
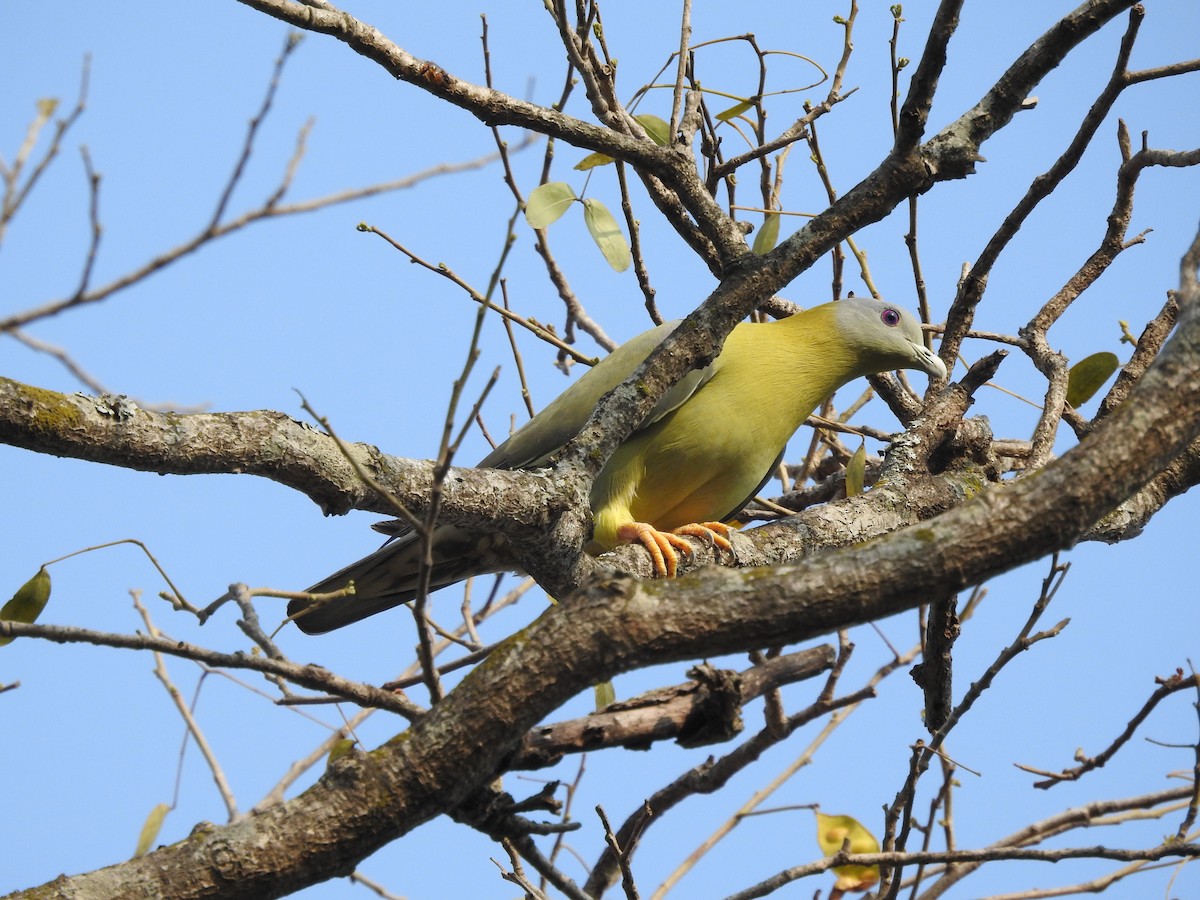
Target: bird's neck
column 806, row 353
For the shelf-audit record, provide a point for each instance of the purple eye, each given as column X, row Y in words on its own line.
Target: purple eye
column 890, row 317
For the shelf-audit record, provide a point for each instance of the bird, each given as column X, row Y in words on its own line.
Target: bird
column 704, row 451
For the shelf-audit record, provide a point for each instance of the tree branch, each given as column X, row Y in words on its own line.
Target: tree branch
column 114, row 431
column 686, row 712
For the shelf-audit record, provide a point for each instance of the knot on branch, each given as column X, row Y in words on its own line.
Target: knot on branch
column 718, row 715
column 947, row 158
column 969, row 446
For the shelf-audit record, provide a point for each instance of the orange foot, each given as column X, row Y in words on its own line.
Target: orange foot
column 662, row 545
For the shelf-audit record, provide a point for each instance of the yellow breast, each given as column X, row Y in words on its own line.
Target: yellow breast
column 703, row 460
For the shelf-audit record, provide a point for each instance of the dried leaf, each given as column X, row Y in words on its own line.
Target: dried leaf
column 832, row 832
column 150, row 829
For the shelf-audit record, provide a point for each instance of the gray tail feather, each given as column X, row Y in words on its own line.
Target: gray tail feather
column 389, row 577
column 386, row 578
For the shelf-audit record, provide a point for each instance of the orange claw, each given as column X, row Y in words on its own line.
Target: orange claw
column 662, row 545
column 715, row 534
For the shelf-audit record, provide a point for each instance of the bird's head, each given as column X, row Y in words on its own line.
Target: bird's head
column 885, row 336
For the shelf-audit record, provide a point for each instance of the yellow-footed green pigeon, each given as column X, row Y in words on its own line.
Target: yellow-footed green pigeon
column 707, row 447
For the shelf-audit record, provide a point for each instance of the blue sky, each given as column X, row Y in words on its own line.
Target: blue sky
column 309, row 304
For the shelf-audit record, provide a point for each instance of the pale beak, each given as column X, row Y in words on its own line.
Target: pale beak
column 928, row 362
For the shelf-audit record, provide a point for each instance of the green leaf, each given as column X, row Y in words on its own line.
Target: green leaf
column 592, row 160
column 548, row 202
column 28, row 602
column 607, row 234
column 1088, row 376
column 659, row 130
column 768, row 235
column 734, row 111
column 606, row 695
column 856, row 471
column 150, row 829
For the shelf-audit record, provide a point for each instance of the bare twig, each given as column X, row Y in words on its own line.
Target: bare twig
column 1162, row 851
column 447, row 449
column 898, row 820
column 1166, row 687
column 517, row 875
column 971, row 290
column 291, row 42
column 16, row 193
column 627, row 882
column 189, row 720
column 230, row 226
column 446, row 272
column 1098, row 813
column 313, row 677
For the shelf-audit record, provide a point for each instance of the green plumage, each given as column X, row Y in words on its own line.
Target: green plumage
column 707, row 447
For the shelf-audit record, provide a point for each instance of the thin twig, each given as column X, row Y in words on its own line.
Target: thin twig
column 898, row 818
column 206, row 236
column 186, row 713
column 15, row 193
column 1167, row 687
column 448, row 273
column 312, row 677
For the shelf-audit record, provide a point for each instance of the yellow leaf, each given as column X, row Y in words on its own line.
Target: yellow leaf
column 734, row 111
column 768, row 235
column 28, row 602
column 592, row 160
column 150, row 829
column 832, row 833
column 606, row 695
column 856, row 472
column 1088, row 375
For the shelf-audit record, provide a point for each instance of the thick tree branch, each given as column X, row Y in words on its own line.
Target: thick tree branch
column 114, row 431
column 704, row 710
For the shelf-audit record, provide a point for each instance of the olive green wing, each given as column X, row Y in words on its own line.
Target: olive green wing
column 550, row 430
